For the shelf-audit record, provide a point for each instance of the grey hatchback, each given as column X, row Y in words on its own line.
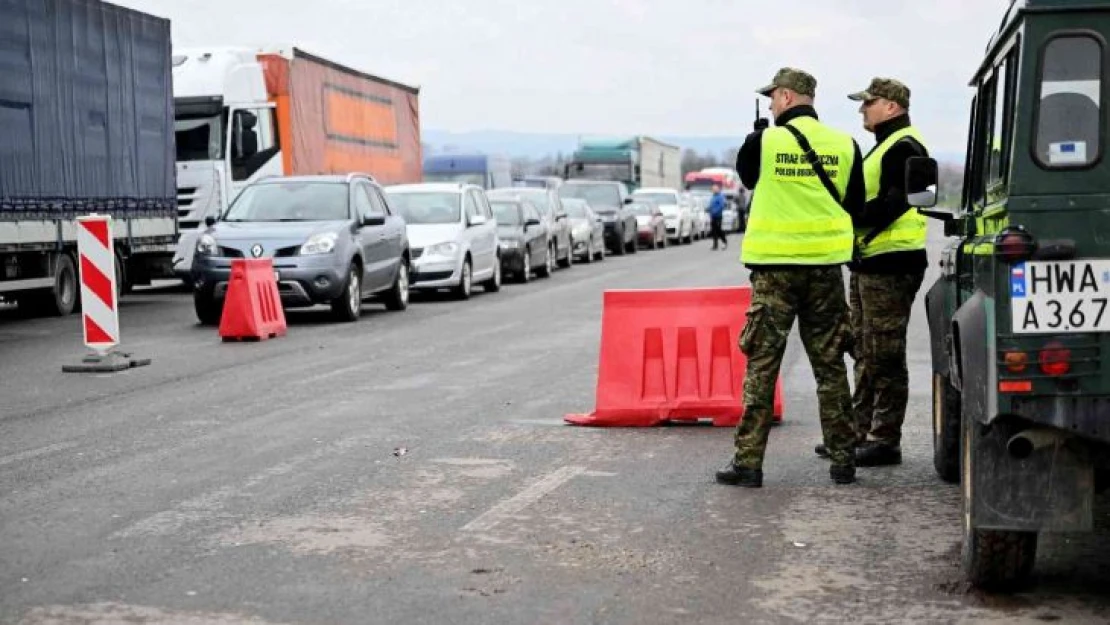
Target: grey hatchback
column 333, row 240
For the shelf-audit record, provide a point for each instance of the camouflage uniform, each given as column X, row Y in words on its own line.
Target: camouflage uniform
column 880, row 317
column 815, row 295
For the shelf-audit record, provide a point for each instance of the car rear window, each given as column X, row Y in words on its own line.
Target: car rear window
column 1068, row 130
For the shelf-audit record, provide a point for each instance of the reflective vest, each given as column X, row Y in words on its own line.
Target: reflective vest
column 908, row 233
column 793, row 218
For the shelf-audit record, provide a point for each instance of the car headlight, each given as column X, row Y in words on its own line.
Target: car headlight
column 323, row 243
column 206, row 245
column 442, row 249
column 510, row 244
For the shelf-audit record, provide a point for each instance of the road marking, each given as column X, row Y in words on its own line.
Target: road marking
column 35, row 453
column 513, row 505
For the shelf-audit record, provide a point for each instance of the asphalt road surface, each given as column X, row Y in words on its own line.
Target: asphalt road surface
column 414, row 468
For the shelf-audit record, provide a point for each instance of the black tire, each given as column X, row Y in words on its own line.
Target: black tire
column 466, row 281
column 548, row 264
column 619, row 248
column 397, row 298
column 633, row 244
column 62, row 298
column 946, row 429
column 347, row 307
column 568, row 261
column 525, row 275
column 993, row 560
column 208, row 309
column 493, row 285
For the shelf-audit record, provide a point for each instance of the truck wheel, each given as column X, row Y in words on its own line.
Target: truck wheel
column 61, row 299
column 946, row 429
column 995, row 560
column 207, row 308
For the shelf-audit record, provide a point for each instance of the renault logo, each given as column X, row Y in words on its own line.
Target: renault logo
column 256, row 250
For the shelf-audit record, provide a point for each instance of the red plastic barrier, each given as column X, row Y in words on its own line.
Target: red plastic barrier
column 252, row 307
column 672, row 355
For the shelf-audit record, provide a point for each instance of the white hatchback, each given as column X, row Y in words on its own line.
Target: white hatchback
column 676, row 211
column 452, row 236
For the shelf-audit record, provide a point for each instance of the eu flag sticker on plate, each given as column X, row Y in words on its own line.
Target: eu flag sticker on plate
column 1017, row 280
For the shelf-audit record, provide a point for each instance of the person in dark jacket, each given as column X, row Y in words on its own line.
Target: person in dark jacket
column 886, row 274
column 716, row 210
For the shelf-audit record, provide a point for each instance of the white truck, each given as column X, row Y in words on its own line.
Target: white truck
column 87, row 128
column 244, row 114
column 636, row 161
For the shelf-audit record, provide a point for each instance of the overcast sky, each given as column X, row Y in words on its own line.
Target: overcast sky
column 622, row 66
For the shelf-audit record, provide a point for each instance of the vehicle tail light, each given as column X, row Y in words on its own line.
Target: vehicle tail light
column 1016, row 361
column 1015, row 386
column 1014, row 244
column 1055, row 359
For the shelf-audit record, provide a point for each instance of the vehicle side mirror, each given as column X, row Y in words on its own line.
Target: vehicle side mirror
column 528, row 223
column 628, row 200
column 210, row 221
column 560, row 215
column 373, row 220
column 921, row 182
column 477, row 220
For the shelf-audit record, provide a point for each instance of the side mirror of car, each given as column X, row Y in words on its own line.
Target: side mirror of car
column 210, row 221
column 528, row 223
column 560, row 216
column 373, row 220
column 628, row 200
column 477, row 220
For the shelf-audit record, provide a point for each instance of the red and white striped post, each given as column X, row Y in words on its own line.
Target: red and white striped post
column 99, row 307
column 99, row 311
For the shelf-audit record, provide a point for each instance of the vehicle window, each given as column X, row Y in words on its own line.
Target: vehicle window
column 1068, row 111
column 377, row 205
column 427, row 207
column 969, row 160
column 483, row 204
column 362, row 203
column 538, row 197
column 472, row 209
column 984, row 116
column 253, row 141
column 292, row 201
column 506, row 213
column 377, row 197
column 530, row 212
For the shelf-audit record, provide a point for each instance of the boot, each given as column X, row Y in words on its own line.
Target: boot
column 842, row 474
column 821, row 450
column 740, row 476
column 875, row 454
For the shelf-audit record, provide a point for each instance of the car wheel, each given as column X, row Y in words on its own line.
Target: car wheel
column 398, row 297
column 493, row 285
column 208, row 309
column 548, row 264
column 619, row 248
column 466, row 281
column 589, row 251
column 348, row 305
column 526, row 273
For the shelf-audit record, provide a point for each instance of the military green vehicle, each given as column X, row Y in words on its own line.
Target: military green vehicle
column 1019, row 319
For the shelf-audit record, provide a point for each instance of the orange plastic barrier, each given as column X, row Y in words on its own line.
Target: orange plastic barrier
column 671, row 355
column 252, row 307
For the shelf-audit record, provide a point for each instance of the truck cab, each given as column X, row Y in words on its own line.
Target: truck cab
column 1019, row 317
column 226, row 131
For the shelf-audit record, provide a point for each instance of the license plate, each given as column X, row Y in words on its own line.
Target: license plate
column 1051, row 297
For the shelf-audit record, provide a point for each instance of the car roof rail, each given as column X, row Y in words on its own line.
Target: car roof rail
column 358, row 174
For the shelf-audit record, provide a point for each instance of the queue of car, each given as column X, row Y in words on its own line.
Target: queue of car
column 343, row 240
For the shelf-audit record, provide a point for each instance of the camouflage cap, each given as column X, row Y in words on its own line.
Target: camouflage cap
column 886, row 88
column 793, row 79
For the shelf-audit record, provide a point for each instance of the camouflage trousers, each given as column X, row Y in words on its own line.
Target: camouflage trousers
column 815, row 295
column 880, row 317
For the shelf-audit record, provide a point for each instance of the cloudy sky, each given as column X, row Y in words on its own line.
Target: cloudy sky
column 622, row 66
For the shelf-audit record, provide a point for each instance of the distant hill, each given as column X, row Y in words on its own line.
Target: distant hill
column 538, row 145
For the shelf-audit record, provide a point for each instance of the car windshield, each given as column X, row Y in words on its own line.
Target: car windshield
column 199, row 138
column 595, row 194
column 658, row 199
column 427, row 207
column 539, row 197
column 576, row 209
column 640, row 209
column 506, row 213
column 291, row 201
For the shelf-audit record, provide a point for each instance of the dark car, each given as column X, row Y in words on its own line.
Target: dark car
column 333, row 239
column 523, row 237
column 609, row 200
column 552, row 213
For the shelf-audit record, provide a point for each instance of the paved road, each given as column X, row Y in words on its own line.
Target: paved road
column 413, row 468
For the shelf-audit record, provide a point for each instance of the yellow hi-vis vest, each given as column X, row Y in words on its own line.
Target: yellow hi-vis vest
column 794, row 219
column 908, row 232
